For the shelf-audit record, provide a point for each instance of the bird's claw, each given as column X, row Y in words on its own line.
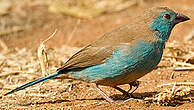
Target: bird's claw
column 133, row 84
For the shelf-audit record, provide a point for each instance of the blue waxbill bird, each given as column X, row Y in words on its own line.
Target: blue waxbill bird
column 123, row 55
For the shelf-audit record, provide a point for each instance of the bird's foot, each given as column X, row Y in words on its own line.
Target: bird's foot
column 106, row 96
column 125, row 93
column 129, row 94
column 133, row 84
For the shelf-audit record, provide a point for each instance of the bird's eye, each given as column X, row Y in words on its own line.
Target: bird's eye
column 167, row 16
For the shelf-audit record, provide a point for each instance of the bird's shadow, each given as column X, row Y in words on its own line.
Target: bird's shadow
column 46, row 102
column 115, row 97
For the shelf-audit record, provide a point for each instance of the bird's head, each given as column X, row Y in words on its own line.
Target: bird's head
column 163, row 21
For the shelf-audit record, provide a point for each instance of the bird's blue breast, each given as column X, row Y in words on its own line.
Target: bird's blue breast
column 141, row 58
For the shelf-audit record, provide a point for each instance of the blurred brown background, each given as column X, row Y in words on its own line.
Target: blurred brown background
column 25, row 24
column 28, row 22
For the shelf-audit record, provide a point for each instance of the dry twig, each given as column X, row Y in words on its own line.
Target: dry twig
column 42, row 55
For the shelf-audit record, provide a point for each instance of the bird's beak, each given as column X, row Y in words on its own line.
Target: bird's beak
column 180, row 18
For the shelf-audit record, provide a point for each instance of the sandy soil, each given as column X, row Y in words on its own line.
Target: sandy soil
column 68, row 94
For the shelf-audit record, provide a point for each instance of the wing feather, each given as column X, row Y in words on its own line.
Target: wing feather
column 98, row 51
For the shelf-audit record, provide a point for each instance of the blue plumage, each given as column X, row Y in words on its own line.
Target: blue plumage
column 125, row 60
column 51, row 76
column 163, row 26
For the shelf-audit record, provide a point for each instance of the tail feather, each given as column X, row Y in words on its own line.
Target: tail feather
column 51, row 76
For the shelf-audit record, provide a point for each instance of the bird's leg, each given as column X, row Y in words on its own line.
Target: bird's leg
column 105, row 95
column 123, row 91
column 133, row 84
column 130, row 87
column 126, row 93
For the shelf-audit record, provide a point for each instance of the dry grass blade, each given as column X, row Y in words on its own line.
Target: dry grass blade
column 42, row 55
column 90, row 8
column 184, row 66
column 74, row 30
column 14, row 29
column 190, row 36
column 190, row 58
column 5, row 7
column 178, row 84
column 173, row 88
column 5, row 74
column 172, row 75
column 4, row 46
column 180, row 55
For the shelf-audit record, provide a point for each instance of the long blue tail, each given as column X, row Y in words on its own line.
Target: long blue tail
column 51, row 76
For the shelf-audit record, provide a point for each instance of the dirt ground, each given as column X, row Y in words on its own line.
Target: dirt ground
column 35, row 23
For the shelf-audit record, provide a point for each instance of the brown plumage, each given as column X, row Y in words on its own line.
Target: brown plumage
column 98, row 51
